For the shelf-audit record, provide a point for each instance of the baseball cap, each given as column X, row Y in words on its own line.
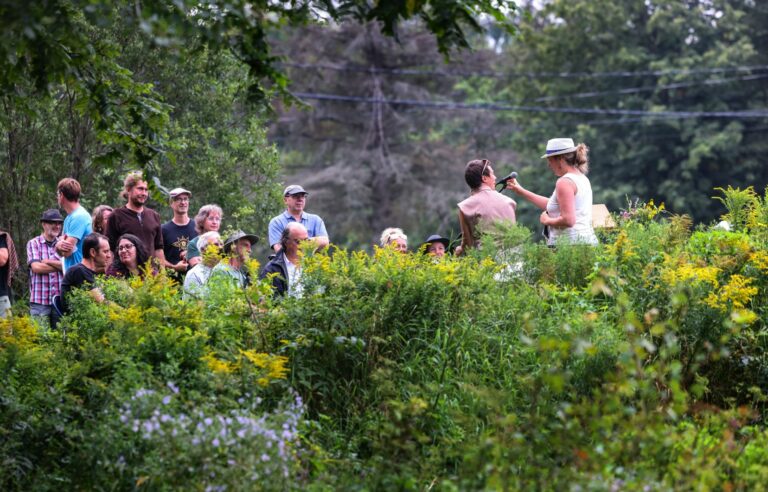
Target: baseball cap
column 294, row 190
column 179, row 191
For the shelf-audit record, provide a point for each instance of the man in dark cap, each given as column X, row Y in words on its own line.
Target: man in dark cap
column 295, row 199
column 45, row 268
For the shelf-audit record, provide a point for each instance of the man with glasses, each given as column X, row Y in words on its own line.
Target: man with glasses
column 285, row 267
column 45, row 268
column 77, row 225
column 178, row 231
column 295, row 199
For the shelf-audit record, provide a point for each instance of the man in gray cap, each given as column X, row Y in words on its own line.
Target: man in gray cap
column 178, row 231
column 238, row 248
column 45, row 268
column 295, row 199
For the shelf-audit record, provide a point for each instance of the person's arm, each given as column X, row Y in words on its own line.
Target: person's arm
column 66, row 245
column 537, row 200
column 320, row 242
column 3, row 256
column 565, row 190
column 274, row 232
column 45, row 266
column 321, row 235
column 467, row 241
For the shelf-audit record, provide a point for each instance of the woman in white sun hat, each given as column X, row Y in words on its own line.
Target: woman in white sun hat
column 568, row 212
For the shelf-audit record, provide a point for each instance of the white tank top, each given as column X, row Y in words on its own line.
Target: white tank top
column 581, row 231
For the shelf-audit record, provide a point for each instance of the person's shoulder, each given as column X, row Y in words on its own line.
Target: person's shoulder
column 279, row 218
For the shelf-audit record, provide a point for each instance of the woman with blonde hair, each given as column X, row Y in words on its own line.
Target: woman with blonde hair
column 208, row 219
column 395, row 238
column 568, row 212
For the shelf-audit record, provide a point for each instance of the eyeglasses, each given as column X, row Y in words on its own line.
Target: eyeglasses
column 125, row 247
column 299, row 241
column 181, row 199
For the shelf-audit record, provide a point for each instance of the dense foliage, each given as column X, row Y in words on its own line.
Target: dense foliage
column 636, row 365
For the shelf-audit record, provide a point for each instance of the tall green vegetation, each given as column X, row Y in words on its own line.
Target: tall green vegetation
column 637, row 364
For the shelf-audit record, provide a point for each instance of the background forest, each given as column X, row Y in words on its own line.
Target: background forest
column 667, row 94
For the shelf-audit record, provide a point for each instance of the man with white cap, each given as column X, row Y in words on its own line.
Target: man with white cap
column 178, row 231
column 568, row 212
column 295, row 198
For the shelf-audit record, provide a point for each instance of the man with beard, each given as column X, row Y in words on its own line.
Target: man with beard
column 134, row 218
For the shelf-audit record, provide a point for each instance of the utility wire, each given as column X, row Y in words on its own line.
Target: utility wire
column 762, row 113
column 532, row 75
column 635, row 90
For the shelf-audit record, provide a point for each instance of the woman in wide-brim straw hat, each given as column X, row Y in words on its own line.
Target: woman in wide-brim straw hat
column 568, row 212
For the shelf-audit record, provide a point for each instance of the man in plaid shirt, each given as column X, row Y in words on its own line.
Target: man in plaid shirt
column 45, row 268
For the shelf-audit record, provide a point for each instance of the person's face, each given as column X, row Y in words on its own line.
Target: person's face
column 490, row 178
column 436, row 249
column 51, row 230
column 555, row 166
column 212, row 222
column 295, row 203
column 243, row 248
column 126, row 251
column 180, row 204
column 104, row 218
column 400, row 245
column 138, row 194
column 103, row 256
column 296, row 237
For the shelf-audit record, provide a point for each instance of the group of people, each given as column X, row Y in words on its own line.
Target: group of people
column 120, row 242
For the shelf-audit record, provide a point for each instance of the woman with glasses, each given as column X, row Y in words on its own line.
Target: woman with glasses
column 568, row 212
column 131, row 258
column 484, row 207
column 208, row 219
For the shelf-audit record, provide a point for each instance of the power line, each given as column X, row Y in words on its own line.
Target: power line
column 635, row 90
column 762, row 113
column 532, row 75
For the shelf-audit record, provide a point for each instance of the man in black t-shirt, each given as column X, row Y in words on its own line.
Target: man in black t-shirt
column 96, row 257
column 178, row 231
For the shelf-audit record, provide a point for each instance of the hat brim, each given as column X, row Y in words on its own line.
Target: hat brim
column 253, row 239
column 443, row 240
column 560, row 152
column 58, row 221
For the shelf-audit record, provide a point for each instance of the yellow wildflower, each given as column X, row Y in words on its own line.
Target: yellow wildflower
column 217, row 365
column 735, row 294
column 759, row 259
